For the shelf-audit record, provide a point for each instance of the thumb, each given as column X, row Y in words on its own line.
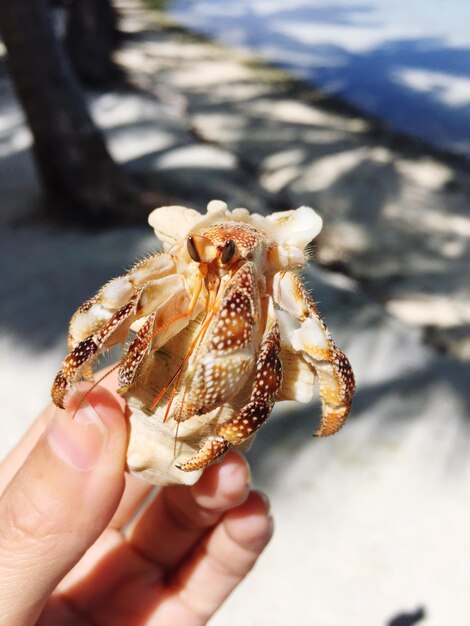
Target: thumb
column 59, row 502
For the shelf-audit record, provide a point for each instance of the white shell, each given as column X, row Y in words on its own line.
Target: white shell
column 153, row 449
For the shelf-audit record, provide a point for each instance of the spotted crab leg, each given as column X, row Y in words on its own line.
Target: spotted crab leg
column 169, row 318
column 105, row 320
column 224, row 362
column 313, row 341
column 268, row 379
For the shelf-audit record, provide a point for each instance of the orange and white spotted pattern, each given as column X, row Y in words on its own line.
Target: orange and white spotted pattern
column 235, row 273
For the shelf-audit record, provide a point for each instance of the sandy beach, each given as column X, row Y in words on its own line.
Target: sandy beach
column 371, row 524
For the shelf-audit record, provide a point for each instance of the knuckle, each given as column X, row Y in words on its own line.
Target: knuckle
column 189, row 515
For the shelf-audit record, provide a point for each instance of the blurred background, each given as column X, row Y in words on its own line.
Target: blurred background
column 359, row 109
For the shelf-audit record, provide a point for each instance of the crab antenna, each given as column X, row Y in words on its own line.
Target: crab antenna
column 165, row 388
column 178, row 371
column 187, row 313
column 176, row 439
column 94, row 385
column 199, row 337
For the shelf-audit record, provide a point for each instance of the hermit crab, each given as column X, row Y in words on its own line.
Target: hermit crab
column 216, row 328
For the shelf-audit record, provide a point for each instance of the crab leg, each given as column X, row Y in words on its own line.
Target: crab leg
column 160, row 326
column 268, row 379
column 105, row 320
column 80, row 358
column 313, row 341
column 225, row 359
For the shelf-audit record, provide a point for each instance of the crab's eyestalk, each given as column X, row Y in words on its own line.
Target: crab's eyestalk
column 201, row 249
column 228, row 252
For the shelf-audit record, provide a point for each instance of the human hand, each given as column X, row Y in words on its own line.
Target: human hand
column 72, row 552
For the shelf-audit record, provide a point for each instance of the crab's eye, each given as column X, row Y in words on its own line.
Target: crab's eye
column 228, row 251
column 193, row 253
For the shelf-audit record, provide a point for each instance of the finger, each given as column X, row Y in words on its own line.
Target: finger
column 16, row 457
column 135, row 494
column 58, row 503
column 220, row 563
column 159, row 539
column 136, row 490
column 179, row 516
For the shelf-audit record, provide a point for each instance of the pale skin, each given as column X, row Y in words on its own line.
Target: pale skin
column 73, row 552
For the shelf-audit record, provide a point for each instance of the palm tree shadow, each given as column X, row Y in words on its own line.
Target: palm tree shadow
column 49, row 273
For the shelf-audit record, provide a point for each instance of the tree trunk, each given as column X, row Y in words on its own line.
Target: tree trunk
column 77, row 171
column 91, row 38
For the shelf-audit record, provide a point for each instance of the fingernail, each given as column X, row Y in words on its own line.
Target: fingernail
column 78, row 439
column 234, row 469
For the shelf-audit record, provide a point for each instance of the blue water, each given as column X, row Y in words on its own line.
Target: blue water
column 406, row 62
